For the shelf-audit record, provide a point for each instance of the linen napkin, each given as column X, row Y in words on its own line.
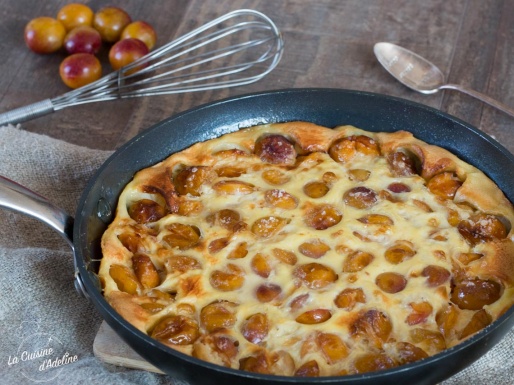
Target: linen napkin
column 38, row 300
column 46, row 328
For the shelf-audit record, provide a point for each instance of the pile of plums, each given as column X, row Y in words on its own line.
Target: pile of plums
column 82, row 32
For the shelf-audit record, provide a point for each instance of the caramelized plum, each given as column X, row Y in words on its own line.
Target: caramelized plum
column 360, row 197
column 315, row 316
column 275, row 149
column 391, row 282
column 481, row 227
column 275, row 177
column 218, row 315
column 267, row 292
column 398, row 187
column 371, row 362
column 280, row 199
column 422, row 205
column 430, row 341
column 329, row 178
column 467, row 258
column 308, row 369
column 401, row 164
column 133, row 242
column 315, row 275
column 314, row 249
column 322, row 217
column 436, row 275
column 399, row 252
column 176, row 330
column 233, row 187
column 190, row 180
column 359, row 175
column 474, row 294
column 480, row 320
column 124, row 278
column 298, row 302
column 188, row 208
column 444, row 185
column 230, row 171
column 343, row 150
column 217, row 344
column 217, row 245
column 374, row 325
column 226, row 218
column 268, row 226
column 260, row 265
column 332, row 347
column 408, row 353
column 356, row 261
column 316, row 189
column 182, row 236
column 286, row 256
column 376, row 219
column 146, row 210
column 231, row 278
column 420, row 312
column 145, row 271
column 258, row 363
column 349, row 297
column 239, row 251
column 153, row 307
column 446, row 319
column 255, row 328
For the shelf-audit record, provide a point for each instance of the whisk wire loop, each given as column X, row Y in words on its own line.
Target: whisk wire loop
column 206, row 57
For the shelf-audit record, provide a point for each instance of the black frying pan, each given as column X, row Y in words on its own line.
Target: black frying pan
column 327, row 107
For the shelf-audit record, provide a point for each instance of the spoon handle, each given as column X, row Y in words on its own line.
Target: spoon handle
column 480, row 96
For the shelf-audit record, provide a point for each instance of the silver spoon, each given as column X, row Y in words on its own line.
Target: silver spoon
column 420, row 75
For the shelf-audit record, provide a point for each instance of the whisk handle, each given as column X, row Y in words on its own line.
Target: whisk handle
column 29, row 112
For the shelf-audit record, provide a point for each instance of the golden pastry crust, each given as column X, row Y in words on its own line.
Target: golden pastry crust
column 295, row 249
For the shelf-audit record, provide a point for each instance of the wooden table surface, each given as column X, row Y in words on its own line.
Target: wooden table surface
column 328, row 43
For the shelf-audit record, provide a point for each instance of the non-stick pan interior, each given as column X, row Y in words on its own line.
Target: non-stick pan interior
column 327, row 107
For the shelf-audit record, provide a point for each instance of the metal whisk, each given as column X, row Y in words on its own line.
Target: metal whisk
column 238, row 48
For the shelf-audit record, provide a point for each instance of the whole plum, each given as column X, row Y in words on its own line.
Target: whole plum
column 74, row 15
column 83, row 39
column 110, row 22
column 126, row 51
column 44, row 35
column 80, row 69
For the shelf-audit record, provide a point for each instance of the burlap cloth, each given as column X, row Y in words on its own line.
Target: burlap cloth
column 40, row 310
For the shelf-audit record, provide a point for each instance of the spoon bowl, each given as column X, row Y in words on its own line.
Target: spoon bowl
column 409, row 68
column 420, row 75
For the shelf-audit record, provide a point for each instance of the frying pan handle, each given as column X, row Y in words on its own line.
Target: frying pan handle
column 18, row 198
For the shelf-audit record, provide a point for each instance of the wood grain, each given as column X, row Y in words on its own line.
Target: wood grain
column 111, row 349
column 328, row 43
